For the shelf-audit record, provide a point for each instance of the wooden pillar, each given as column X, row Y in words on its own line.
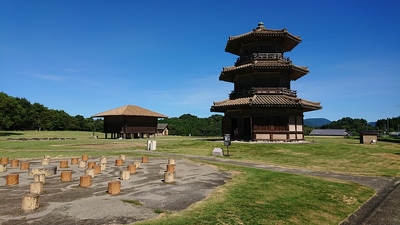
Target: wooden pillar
column 4, row 161
column 145, row 159
column 91, row 164
column 30, row 202
column 171, row 168
column 63, row 164
column 24, row 166
column 119, row 162
column 131, row 169
column 66, row 176
column 14, row 163
column 85, row 181
column 12, row 179
column 74, row 161
column 36, row 187
column 97, row 169
column 114, row 187
column 85, row 158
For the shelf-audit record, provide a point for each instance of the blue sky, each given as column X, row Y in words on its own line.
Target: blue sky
column 85, row 57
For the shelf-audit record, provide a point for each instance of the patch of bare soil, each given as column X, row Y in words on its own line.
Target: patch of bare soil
column 69, row 203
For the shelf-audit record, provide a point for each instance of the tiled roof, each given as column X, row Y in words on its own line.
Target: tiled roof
column 229, row 73
column 130, row 110
column 329, row 132
column 162, row 126
column 234, row 42
column 275, row 101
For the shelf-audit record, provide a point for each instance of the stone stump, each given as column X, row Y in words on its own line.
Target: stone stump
column 12, row 179
column 3, row 167
column 82, row 164
column 46, row 157
column 14, row 163
column 103, row 159
column 171, row 161
column 91, row 164
column 103, row 166
column 45, row 162
column 39, row 178
column 145, row 159
column 89, row 172
column 119, row 162
column 85, row 181
column 123, row 157
column 30, row 202
column 168, row 177
column 36, row 187
column 46, row 170
column 85, row 158
column 24, row 166
column 114, row 187
column 4, row 161
column 131, row 169
column 64, row 164
column 66, row 176
column 137, row 164
column 74, row 161
column 171, row 168
column 125, row 175
column 97, row 169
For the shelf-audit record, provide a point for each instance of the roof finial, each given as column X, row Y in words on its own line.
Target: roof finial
column 260, row 25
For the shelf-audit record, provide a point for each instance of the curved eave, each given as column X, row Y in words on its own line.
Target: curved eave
column 289, row 41
column 265, row 101
column 229, row 74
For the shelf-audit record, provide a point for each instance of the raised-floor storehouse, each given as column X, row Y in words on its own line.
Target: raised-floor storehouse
column 130, row 121
column 262, row 106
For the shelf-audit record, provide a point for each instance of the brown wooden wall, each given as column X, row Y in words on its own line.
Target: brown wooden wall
column 130, row 124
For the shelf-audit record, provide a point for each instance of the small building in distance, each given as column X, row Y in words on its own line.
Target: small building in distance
column 329, row 132
column 130, row 121
column 368, row 137
column 162, row 129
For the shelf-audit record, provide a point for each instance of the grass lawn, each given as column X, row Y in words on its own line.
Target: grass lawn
column 252, row 196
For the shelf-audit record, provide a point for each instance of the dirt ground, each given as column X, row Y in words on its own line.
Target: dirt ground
column 142, row 197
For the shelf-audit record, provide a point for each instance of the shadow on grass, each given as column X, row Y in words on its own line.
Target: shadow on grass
column 8, row 133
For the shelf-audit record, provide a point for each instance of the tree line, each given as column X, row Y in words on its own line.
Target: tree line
column 384, row 126
column 20, row 114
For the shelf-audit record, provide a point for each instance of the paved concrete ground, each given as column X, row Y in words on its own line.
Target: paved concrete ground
column 68, row 203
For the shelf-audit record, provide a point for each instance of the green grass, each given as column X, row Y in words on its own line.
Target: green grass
column 264, row 197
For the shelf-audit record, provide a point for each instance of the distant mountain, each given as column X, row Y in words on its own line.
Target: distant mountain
column 316, row 122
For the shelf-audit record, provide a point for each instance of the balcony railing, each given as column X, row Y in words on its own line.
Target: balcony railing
column 261, row 56
column 254, row 91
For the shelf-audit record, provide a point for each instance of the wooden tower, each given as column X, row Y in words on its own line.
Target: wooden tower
column 262, row 107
